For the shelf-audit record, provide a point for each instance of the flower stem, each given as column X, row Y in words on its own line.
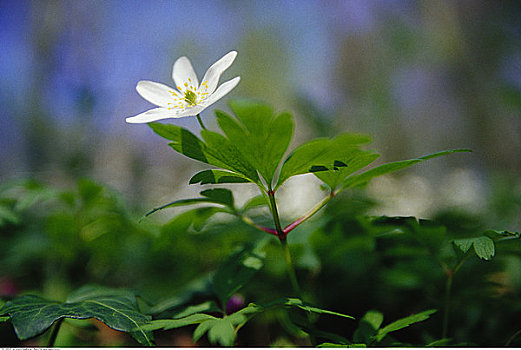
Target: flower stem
column 200, row 121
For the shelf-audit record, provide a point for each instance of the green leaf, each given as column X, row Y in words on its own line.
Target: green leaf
column 217, row 196
column 4, row 319
column 321, row 155
column 255, row 202
column 196, row 218
column 214, row 176
column 402, row 323
column 294, row 302
column 237, row 270
column 352, row 163
column 217, row 150
column 368, row 327
column 483, row 246
column 365, row 177
column 32, row 315
column 177, row 323
column 220, row 330
column 262, row 137
column 184, row 141
column 226, row 155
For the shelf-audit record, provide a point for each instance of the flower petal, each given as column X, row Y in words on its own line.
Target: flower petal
column 222, row 90
column 154, row 114
column 183, row 72
column 211, row 77
column 156, row 93
column 191, row 111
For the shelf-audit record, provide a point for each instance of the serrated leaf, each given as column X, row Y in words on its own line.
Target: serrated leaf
column 321, row 155
column 183, row 141
column 214, row 176
column 262, row 137
column 215, row 150
column 236, row 271
column 32, row 315
column 402, row 323
column 483, row 246
column 365, row 177
column 227, row 155
column 353, row 162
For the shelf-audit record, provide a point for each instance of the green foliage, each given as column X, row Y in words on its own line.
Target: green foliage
column 483, row 246
column 32, row 315
column 237, row 270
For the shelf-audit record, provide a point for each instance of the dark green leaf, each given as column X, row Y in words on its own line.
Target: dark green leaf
column 402, row 323
column 363, row 178
column 32, row 315
column 237, row 270
column 214, row 176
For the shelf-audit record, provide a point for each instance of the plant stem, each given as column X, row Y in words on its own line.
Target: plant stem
column 309, row 214
column 200, row 121
column 283, row 241
column 446, row 311
column 54, row 333
column 290, row 267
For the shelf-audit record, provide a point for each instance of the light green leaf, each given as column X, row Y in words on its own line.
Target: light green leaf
column 237, row 270
column 402, row 323
column 365, row 177
column 32, row 315
column 214, row 176
column 4, row 319
column 368, row 326
column 483, row 246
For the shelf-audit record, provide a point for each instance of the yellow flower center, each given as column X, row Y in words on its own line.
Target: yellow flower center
column 190, row 97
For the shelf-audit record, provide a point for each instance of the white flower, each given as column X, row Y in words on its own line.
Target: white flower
column 190, row 98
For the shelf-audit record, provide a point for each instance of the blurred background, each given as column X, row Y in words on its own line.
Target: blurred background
column 419, row 76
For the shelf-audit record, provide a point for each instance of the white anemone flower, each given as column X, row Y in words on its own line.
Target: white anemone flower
column 190, row 98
